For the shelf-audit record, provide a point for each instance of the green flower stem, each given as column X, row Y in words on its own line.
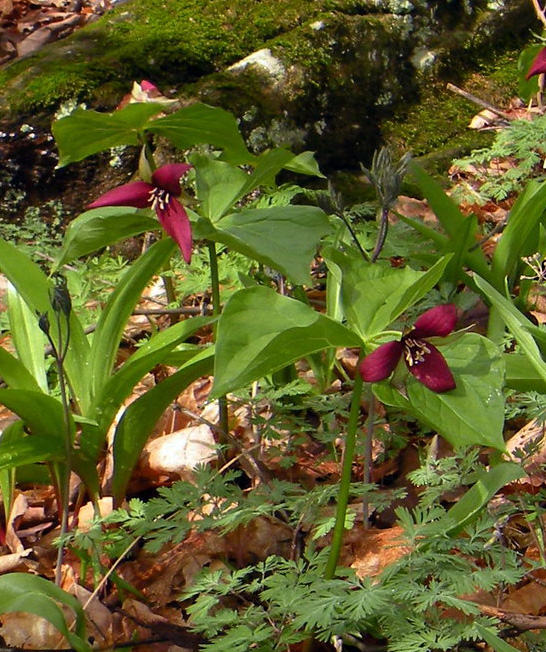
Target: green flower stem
column 170, row 293
column 368, row 453
column 353, row 235
column 495, row 326
column 64, row 489
column 223, row 420
column 382, row 235
column 345, row 483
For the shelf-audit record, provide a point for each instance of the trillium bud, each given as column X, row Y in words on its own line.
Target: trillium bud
column 43, row 322
column 60, row 298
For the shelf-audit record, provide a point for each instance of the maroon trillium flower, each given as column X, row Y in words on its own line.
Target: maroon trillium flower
column 160, row 195
column 422, row 358
column 539, row 64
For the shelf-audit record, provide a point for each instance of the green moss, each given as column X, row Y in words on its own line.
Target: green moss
column 168, row 41
column 436, row 129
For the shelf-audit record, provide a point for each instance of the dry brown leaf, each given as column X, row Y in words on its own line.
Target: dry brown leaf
column 6, row 7
column 374, row 550
column 531, row 436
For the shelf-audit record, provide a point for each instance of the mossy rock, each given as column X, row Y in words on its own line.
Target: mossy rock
column 346, row 67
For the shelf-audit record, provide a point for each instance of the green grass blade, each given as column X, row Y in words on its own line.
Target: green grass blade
column 118, row 309
column 28, row 339
column 141, row 416
column 38, row 596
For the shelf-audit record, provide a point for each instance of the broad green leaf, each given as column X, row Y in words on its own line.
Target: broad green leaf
column 282, row 237
column 119, row 386
column 14, row 372
column 141, row 416
column 200, row 124
column 260, row 332
column 119, row 308
column 27, row 277
column 43, row 414
column 459, row 245
column 12, row 434
column 528, row 87
column 375, row 295
column 305, row 163
column 266, row 168
column 494, row 641
column 521, row 375
column 28, row 339
column 517, row 324
column 218, row 184
column 34, row 287
column 449, row 216
column 523, row 224
column 38, row 596
column 101, row 227
column 467, row 508
column 29, row 450
column 396, row 304
column 472, row 413
column 86, row 132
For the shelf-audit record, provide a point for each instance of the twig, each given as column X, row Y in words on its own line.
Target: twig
column 478, row 101
column 540, row 12
column 191, row 310
column 523, row 622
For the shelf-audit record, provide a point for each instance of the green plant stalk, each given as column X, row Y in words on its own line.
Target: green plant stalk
column 64, row 489
column 345, row 482
column 495, row 326
column 368, row 454
column 223, row 417
column 382, row 235
column 352, row 232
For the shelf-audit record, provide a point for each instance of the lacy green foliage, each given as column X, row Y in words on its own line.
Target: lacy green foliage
column 194, row 280
column 520, row 144
column 436, row 476
column 38, row 232
column 217, row 502
column 280, row 601
column 528, row 405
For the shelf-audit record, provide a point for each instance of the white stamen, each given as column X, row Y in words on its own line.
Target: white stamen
column 415, row 351
column 159, row 198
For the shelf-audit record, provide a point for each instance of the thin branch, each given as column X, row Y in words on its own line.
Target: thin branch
column 540, row 12
column 479, row 101
column 523, row 622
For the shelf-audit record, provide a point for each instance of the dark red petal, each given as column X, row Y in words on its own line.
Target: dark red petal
column 381, row 363
column 135, row 194
column 168, row 177
column 433, row 371
column 436, row 322
column 176, row 223
column 539, row 64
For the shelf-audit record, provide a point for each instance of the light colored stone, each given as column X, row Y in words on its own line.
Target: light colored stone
column 262, row 60
column 180, row 452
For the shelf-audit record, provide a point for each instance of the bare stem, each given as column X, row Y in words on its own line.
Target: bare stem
column 216, row 309
column 368, row 454
column 540, row 12
column 345, row 482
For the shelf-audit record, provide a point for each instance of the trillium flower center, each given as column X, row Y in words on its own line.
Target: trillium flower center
column 159, row 199
column 415, row 351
